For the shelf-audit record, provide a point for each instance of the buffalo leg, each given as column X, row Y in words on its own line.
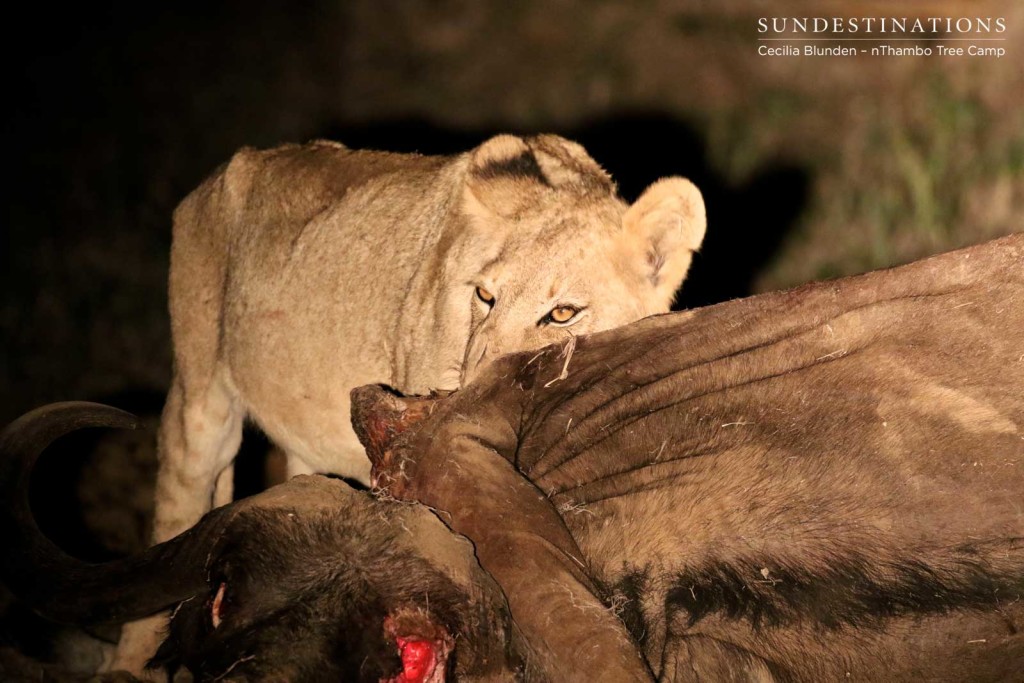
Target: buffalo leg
column 523, row 543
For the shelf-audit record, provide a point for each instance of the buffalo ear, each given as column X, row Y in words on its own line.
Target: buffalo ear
column 380, row 415
column 667, row 225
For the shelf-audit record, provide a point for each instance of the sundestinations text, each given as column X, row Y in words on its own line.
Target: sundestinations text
column 976, row 25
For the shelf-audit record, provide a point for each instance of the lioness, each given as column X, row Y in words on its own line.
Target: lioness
column 300, row 272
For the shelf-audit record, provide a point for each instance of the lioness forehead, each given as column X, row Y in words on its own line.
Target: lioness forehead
column 577, row 268
column 563, row 217
column 554, row 246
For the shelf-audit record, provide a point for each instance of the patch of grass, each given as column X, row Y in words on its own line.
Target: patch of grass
column 903, row 184
column 743, row 138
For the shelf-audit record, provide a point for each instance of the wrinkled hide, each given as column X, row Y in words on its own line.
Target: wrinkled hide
column 818, row 484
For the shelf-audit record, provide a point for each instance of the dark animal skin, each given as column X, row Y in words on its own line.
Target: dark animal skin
column 308, row 581
column 814, row 485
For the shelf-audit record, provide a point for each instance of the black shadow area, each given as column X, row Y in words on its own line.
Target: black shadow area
column 92, row 490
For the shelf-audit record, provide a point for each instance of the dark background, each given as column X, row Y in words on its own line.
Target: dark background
column 811, row 168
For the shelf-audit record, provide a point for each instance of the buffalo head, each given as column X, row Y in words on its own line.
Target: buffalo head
column 308, row 581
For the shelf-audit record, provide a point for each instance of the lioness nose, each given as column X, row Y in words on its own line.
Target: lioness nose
column 479, row 357
column 474, row 362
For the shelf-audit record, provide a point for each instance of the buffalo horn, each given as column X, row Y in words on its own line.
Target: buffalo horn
column 64, row 588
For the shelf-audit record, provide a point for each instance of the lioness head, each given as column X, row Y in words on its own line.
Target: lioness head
column 557, row 253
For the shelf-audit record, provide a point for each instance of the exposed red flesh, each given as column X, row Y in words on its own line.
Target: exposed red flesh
column 423, row 647
column 418, row 660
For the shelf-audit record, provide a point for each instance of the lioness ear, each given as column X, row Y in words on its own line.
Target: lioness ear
column 667, row 222
column 501, row 173
column 508, row 173
column 565, row 162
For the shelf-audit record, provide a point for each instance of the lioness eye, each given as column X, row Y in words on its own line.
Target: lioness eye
column 560, row 315
column 485, row 296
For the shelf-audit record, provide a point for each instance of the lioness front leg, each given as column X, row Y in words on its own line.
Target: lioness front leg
column 200, row 432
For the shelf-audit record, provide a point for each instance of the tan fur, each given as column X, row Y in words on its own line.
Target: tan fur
column 300, row 272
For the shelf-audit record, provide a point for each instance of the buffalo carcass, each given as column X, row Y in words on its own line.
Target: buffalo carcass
column 820, row 484
column 308, row 581
column 780, row 488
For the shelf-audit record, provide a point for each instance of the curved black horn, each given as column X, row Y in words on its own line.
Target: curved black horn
column 64, row 588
